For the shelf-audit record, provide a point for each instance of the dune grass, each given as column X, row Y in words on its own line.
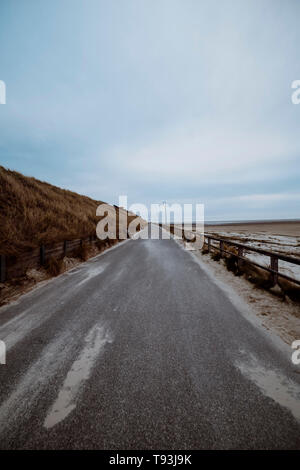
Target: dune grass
column 33, row 212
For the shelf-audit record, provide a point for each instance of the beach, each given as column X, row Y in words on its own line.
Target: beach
column 289, row 228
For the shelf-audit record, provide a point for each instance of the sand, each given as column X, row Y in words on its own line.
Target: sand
column 281, row 227
column 278, row 237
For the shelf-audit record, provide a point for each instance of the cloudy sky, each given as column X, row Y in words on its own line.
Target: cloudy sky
column 176, row 100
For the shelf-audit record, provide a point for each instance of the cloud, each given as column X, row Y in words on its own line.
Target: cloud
column 213, row 154
column 157, row 100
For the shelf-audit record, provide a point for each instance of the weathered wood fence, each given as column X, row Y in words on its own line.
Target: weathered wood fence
column 241, row 250
column 16, row 266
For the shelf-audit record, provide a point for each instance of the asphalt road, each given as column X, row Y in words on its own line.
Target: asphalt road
column 140, row 349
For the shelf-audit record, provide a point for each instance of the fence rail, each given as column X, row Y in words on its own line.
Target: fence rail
column 241, row 249
column 16, row 266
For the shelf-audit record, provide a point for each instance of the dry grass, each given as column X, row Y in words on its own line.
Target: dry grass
column 33, row 212
column 54, row 266
column 216, row 256
column 82, row 252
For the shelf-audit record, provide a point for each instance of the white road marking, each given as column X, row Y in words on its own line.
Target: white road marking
column 35, row 380
column 273, row 384
column 80, row 371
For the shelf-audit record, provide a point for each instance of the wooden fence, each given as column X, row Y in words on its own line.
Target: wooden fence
column 243, row 249
column 12, row 267
column 16, row 266
column 240, row 251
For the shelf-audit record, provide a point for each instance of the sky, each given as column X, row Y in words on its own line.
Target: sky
column 186, row 101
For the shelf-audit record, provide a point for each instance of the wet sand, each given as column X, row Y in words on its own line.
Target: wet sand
column 288, row 228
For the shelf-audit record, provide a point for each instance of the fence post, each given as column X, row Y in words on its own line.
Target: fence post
column 42, row 255
column 2, row 268
column 221, row 248
column 274, row 266
column 65, row 247
column 208, row 245
column 240, row 253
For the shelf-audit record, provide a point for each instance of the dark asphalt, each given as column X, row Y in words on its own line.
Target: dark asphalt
column 139, row 349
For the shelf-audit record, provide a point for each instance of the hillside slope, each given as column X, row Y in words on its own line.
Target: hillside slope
column 33, row 212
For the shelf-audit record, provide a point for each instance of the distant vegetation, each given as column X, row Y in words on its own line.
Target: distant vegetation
column 33, row 212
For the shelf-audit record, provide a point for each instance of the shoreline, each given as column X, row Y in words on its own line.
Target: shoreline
column 286, row 228
column 282, row 227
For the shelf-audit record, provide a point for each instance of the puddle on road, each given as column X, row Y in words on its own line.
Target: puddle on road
column 80, row 371
column 274, row 385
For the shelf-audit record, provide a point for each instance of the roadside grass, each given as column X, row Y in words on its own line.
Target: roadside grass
column 215, row 256
column 82, row 252
column 34, row 213
column 13, row 288
column 54, row 266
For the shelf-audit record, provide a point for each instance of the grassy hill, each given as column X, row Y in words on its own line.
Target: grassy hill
column 33, row 212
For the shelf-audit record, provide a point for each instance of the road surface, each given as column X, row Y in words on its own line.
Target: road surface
column 138, row 348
